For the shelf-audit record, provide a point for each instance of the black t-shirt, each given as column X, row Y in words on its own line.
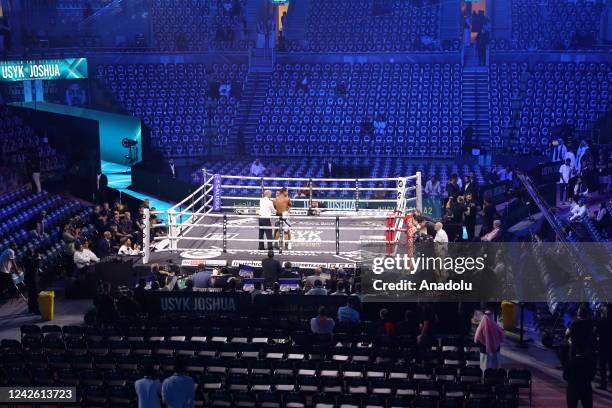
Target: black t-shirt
column 581, row 334
column 457, row 210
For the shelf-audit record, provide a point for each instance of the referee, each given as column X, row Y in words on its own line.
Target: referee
column 266, row 210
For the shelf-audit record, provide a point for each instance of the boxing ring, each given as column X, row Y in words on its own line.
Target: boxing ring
column 329, row 219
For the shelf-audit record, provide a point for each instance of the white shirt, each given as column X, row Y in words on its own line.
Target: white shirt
column 432, row 189
column 578, row 212
column 266, row 207
column 565, row 173
column 84, row 258
column 441, row 236
column 6, row 260
column 126, row 250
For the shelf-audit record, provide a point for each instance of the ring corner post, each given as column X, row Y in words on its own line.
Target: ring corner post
column 146, row 234
column 419, row 192
column 171, row 230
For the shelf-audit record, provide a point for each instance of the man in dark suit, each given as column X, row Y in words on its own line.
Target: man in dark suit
column 104, row 246
column 271, row 269
column 452, row 188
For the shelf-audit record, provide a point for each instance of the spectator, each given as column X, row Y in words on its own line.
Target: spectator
column 603, row 328
column 441, row 236
column 469, row 217
column 271, row 269
column 565, row 174
column 581, row 189
column 105, row 305
column 317, row 289
column 127, row 305
column 104, row 247
column 127, row 248
column 384, row 326
column 349, row 312
column 581, row 331
column 316, row 277
column 489, row 212
column 322, row 324
column 340, row 289
column 69, row 236
column 256, row 290
column 409, row 326
column 489, row 337
column 428, row 319
column 432, row 187
column 148, row 389
column 558, row 151
column 8, row 260
column 452, row 187
column 83, row 257
column 178, row 390
column 482, row 43
column 579, row 372
column 31, row 268
column 288, row 273
column 380, row 194
column 202, row 279
column 579, row 211
column 140, row 292
column 602, row 218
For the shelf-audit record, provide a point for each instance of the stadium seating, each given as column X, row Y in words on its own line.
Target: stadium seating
column 17, row 210
column 172, row 100
column 251, row 364
column 553, row 25
column 419, row 103
column 371, row 26
column 550, row 95
column 16, row 139
column 196, row 24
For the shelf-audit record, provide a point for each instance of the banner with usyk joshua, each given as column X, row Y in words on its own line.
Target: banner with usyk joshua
column 52, row 69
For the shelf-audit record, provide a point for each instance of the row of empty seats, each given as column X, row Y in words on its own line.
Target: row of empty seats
column 554, row 25
column 191, row 25
column 548, row 95
column 173, row 100
column 370, row 26
column 337, row 110
column 18, row 141
column 258, row 362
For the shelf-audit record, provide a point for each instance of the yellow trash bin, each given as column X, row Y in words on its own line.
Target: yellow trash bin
column 508, row 315
column 46, row 304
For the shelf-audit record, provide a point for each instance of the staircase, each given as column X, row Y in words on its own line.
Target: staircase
column 475, row 102
column 253, row 98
